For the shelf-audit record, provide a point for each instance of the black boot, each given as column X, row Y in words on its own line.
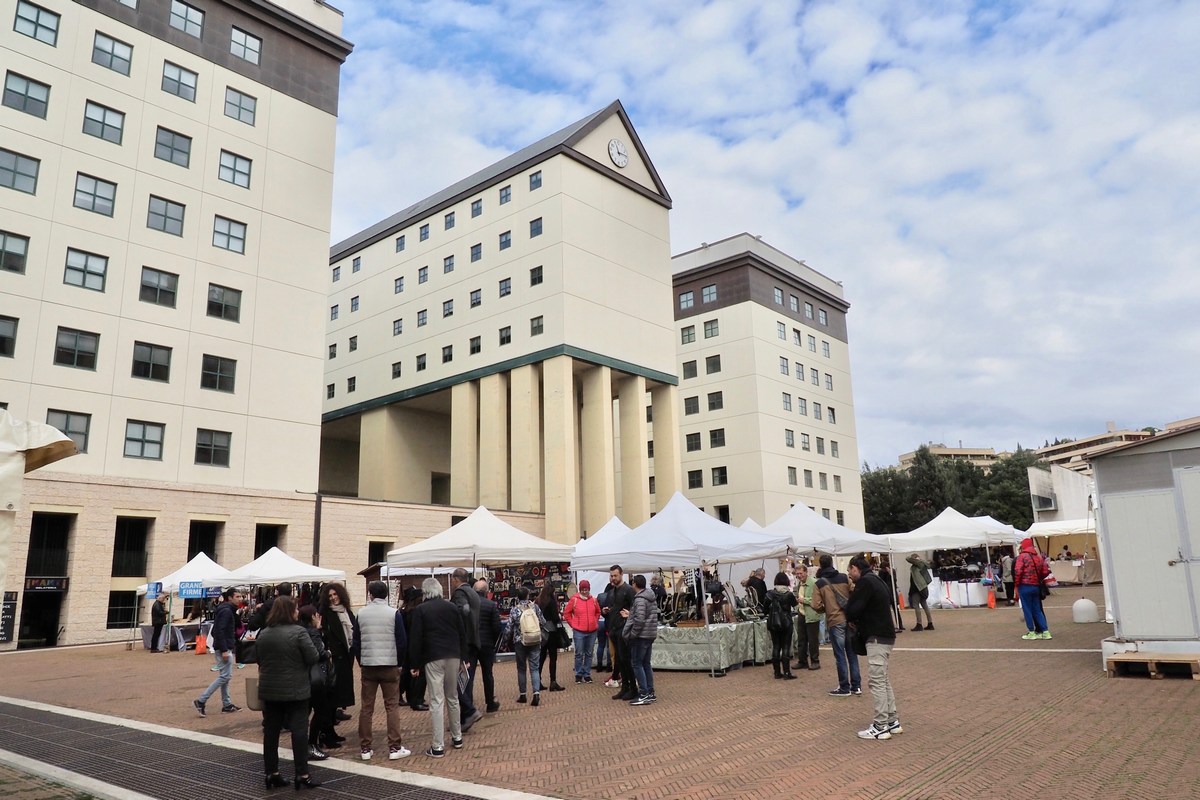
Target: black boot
column 778, row 673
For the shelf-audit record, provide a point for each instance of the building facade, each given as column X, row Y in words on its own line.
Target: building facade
column 165, row 184
column 767, row 413
column 1076, row 455
column 492, row 344
column 982, row 457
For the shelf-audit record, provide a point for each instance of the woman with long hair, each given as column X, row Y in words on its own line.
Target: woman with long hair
column 320, row 728
column 285, row 655
column 548, row 603
column 337, row 629
column 779, row 603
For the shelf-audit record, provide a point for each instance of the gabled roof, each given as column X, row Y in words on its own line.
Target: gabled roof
column 1152, row 440
column 559, row 142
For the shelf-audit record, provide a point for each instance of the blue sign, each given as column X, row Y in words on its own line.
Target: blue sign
column 190, row 590
column 153, row 589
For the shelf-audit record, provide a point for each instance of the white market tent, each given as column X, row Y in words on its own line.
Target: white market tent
column 276, row 566
column 481, row 538
column 681, row 535
column 200, row 568
column 750, row 525
column 1062, row 527
column 609, row 530
column 948, row 530
column 812, row 531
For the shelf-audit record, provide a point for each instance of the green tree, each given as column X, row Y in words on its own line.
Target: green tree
column 1005, row 492
column 885, row 495
column 929, row 488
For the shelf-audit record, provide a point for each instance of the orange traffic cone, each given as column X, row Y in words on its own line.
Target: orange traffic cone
column 900, row 600
column 201, row 644
column 991, row 598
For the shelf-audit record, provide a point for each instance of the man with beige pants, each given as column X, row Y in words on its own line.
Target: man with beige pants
column 870, row 611
column 380, row 644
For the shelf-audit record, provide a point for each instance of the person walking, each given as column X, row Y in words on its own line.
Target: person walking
column 320, row 726
column 224, row 643
column 380, row 644
column 526, row 643
column 1029, row 570
column 547, row 603
column 808, row 624
column 640, row 631
column 778, row 604
column 620, row 599
column 285, row 655
column 870, row 611
column 1006, row 577
column 440, row 642
column 337, row 631
column 466, row 599
column 583, row 615
column 830, row 598
column 919, row 578
column 158, row 618
column 490, row 629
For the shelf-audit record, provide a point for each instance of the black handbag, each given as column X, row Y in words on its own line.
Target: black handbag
column 855, row 643
column 562, row 639
column 322, row 675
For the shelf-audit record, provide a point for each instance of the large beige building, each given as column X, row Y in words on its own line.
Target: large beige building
column 166, row 176
column 767, row 413
column 493, row 343
column 982, row 457
column 1076, row 455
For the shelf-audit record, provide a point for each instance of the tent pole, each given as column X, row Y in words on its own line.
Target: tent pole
column 712, row 655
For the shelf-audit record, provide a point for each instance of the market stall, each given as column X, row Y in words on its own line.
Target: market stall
column 187, row 582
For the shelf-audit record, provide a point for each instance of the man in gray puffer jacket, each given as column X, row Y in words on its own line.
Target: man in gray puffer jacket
column 380, row 644
column 640, row 631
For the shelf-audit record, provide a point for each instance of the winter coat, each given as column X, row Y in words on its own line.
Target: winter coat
column 831, row 595
column 380, row 639
column 467, row 600
column 439, row 632
column 582, row 614
column 285, row 653
column 224, row 630
column 870, row 608
column 490, row 627
column 643, row 618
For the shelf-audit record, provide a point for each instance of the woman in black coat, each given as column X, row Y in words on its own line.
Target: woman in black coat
column 320, row 727
column 548, row 603
column 336, row 620
column 285, row 656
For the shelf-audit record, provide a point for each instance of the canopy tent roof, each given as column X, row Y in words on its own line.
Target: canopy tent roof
column 1062, row 527
column 812, row 531
column 481, row 538
column 200, row 568
column 680, row 535
column 948, row 530
column 613, row 528
column 750, row 525
column 275, row 566
column 1002, row 534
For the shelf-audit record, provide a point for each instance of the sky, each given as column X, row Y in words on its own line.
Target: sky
column 1008, row 191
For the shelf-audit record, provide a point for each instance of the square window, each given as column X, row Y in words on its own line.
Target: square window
column 165, row 215
column 240, row 106
column 505, row 335
column 218, row 373
column 476, row 344
column 173, row 147
column 337, row 274
column 448, row 308
column 333, row 351
column 333, row 311
column 536, row 326
column 235, row 169
column 422, row 274
column 447, row 354
column 812, row 343
column 77, row 349
column 805, row 442
column 476, row 252
column 505, row 194
column 351, row 384
column 828, row 381
column 143, row 439
column 535, row 227
column 808, row 311
column 448, row 220
column 19, row 172
column 691, row 442
column 708, row 294
column 716, row 401
column 535, row 276
column 224, row 303
column 695, row 479
column 245, row 45
column 476, row 208
column 825, row 348
column 802, row 406
column 37, row 22
column 691, row 405
column 85, row 270
column 181, row 82
column 230, row 235
column 716, row 437
column 686, row 300
column 330, row 390
column 689, row 369
column 151, row 362
column 400, row 243
column 74, row 426
column 789, row 438
column 787, row 402
column 794, row 303
column 791, row 473
column 397, row 368
column 421, row 363
column 711, row 329
column 397, row 326
column 448, row 264
column 506, row 240
column 476, row 297
column 422, row 318
column 8, row 337
column 212, row 447
column 720, row 476
column 535, row 180
column 188, row 19
column 687, row 335
column 712, row 365
column 781, row 330
column 26, row 95
column 424, row 232
column 505, row 287
column 398, row 285
column 822, row 317
column 808, row 479
column 783, row 365
column 95, row 194
column 353, row 304
column 833, row 448
column 778, row 296
column 820, row 445
column 13, row 251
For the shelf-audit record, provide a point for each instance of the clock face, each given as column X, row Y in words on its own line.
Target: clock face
column 617, row 152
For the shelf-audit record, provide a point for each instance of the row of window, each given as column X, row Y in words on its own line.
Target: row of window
column 813, row 372
column 448, row 220
column 691, row 441
column 789, row 440
column 822, row 480
column 708, row 294
column 794, row 304
column 781, row 331
column 818, row 411
column 143, row 439
column 719, row 477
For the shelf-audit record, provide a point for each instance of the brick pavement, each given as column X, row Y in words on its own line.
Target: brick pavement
column 983, row 711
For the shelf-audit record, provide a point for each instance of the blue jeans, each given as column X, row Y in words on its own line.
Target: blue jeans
column 585, row 643
column 531, row 656
column 639, row 658
column 1031, row 604
column 844, row 659
column 222, row 682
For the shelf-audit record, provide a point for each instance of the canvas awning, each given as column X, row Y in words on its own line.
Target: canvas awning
column 481, row 538
column 276, row 566
column 812, row 531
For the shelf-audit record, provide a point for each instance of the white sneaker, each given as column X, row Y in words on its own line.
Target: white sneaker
column 397, row 753
column 366, row 754
column 612, row 684
column 874, row 733
column 895, row 727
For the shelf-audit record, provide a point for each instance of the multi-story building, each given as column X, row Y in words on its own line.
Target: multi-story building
column 165, row 184
column 490, row 343
column 767, row 417
column 982, row 457
column 1076, row 455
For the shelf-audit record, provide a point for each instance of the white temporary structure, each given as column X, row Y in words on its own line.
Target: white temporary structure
column 200, row 568
column 481, row 538
column 948, row 530
column 609, row 530
column 750, row 525
column 812, row 531
column 275, row 566
column 1062, row 527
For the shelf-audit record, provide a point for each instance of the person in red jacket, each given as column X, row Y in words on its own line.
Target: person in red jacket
column 583, row 615
column 1029, row 570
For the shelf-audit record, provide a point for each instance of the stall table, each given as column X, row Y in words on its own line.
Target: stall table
column 733, row 644
column 181, row 634
column 1077, row 571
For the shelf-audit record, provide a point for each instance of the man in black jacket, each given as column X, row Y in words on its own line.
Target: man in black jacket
column 620, row 598
column 467, row 601
column 439, row 641
column 224, row 645
column 870, row 611
column 489, row 634
column 158, row 618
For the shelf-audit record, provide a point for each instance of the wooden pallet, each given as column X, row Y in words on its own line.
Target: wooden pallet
column 1156, row 664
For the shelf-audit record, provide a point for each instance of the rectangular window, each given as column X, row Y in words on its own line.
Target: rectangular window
column 691, row 442
column 448, row 264
column 476, row 252
column 816, row 411
column 337, row 274
column 535, row 180
column 833, row 448
column 789, row 438
column 689, row 369
column 13, row 251
column 74, row 426
column 837, row 483
column 536, row 326
column 151, row 362
column 716, row 401
column 808, row 310
column 353, row 304
column 506, row 240
column 173, row 147
column 26, row 95
column 708, row 294
column 825, row 348
column 448, row 308
column 652, row 489
column 822, row 481
column 333, row 351
column 212, row 447
column 422, row 274
column 720, row 476
column 808, row 479
column 422, row 318
column 397, row 326
column 447, row 354
column 828, row 381
column 245, row 45
column 476, row 297
column 505, row 335
column 421, row 363
column 95, row 194
column 687, row 335
column 122, row 609
column 832, row 416
column 476, row 208
column 711, row 329
column 86, row 270
column 778, row 296
column 165, row 215
column 230, row 235
column 476, row 344
column 841, row 517
column 805, row 442
column 802, row 406
column 695, row 479
column 712, row 365
column 812, row 343
column 535, row 227
column 794, row 303
column 351, row 384
column 188, row 19
column 535, row 276
column 649, row 414
column 242, row 107
column 218, row 373
column 77, row 349
column 787, row 402
column 650, row 449
column 795, row 337
column 37, row 22
column 825, row 513
column 505, row 194
column 330, row 391
column 716, row 437
column 820, row 445
column 691, row 405
column 783, row 365
column 181, row 82
column 235, row 169
column 505, row 287
column 791, row 473
column 397, row 369
column 815, row 375
column 400, row 243
column 423, row 232
column 8, row 337
column 398, row 285
column 448, row 221
column 224, row 303
column 799, row 372
column 18, row 172
column 686, row 300
column 822, row 317
column 781, row 330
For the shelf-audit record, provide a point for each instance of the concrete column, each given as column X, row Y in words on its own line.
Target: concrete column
column 635, row 467
column 526, row 437
column 464, row 444
column 668, row 476
column 493, row 440
column 559, row 448
column 599, row 481
column 381, row 457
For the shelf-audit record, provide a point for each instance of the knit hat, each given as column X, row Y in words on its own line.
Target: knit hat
column 585, row 585
column 1027, row 544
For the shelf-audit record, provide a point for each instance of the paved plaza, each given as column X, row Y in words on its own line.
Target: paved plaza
column 984, row 713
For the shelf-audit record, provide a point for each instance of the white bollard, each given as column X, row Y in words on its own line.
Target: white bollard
column 1085, row 610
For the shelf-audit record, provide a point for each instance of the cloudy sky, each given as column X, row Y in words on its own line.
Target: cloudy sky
column 1010, row 191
